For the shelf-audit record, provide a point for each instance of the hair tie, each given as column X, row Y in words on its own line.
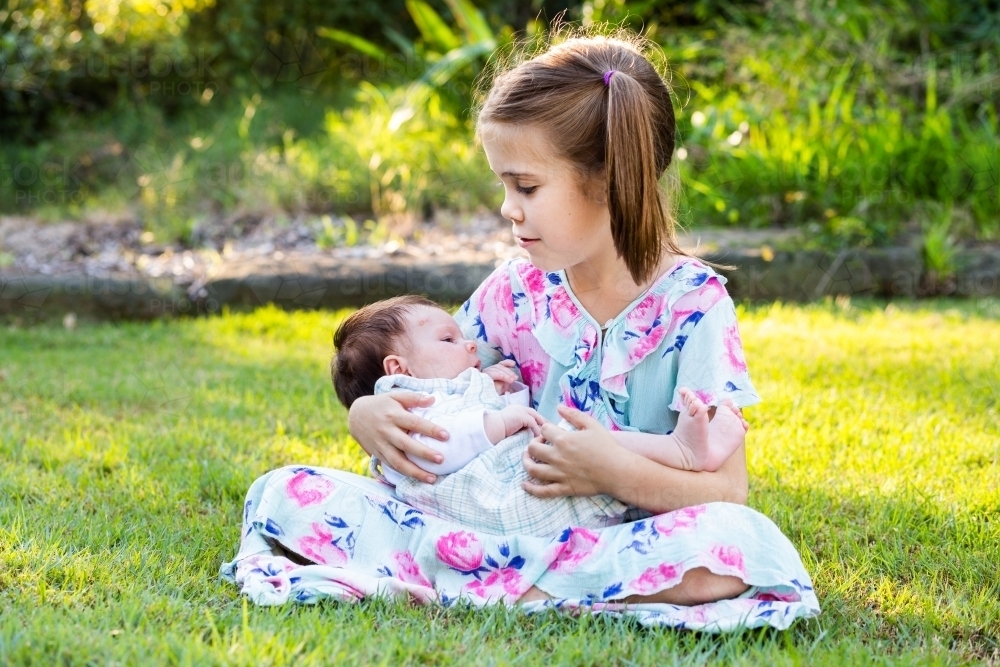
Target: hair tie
column 607, row 76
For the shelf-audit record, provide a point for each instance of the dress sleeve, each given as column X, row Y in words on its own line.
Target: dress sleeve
column 711, row 362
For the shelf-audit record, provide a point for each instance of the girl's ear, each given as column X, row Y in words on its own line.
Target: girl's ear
column 394, row 365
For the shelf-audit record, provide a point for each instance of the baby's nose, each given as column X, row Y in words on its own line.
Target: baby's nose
column 471, row 346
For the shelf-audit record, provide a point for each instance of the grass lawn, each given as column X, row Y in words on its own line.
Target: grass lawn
column 125, row 451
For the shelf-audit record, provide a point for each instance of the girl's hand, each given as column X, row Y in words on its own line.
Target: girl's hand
column 572, row 463
column 381, row 425
column 502, row 375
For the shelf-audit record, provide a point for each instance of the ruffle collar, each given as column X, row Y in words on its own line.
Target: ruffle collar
column 570, row 336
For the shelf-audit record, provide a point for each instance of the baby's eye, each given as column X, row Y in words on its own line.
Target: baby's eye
column 526, row 190
column 448, row 339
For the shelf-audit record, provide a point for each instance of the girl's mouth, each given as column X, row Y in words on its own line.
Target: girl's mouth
column 524, row 243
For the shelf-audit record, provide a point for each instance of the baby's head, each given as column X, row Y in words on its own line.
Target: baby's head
column 404, row 335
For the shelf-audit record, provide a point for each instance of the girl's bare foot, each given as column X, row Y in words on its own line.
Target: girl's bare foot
column 697, row 586
column 707, row 442
column 534, row 594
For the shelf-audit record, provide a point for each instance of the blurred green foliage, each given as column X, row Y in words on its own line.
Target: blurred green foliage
column 855, row 120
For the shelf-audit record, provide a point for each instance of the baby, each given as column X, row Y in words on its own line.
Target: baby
column 409, row 342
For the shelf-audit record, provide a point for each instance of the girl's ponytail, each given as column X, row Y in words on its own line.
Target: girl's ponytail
column 607, row 110
column 633, row 163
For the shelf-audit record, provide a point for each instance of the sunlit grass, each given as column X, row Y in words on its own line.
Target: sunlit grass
column 125, row 451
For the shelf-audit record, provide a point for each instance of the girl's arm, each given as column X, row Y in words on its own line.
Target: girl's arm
column 590, row 461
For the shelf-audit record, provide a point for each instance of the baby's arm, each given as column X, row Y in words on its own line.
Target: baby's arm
column 467, row 439
column 699, row 442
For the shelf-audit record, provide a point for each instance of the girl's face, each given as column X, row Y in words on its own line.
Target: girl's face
column 558, row 220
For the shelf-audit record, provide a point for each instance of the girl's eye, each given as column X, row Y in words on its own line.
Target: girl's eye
column 526, row 190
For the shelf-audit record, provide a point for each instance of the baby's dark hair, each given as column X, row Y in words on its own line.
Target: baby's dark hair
column 364, row 340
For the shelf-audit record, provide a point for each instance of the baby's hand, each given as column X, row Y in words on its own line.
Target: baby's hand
column 516, row 417
column 502, row 375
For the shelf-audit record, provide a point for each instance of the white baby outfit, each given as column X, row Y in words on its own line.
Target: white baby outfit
column 459, row 408
column 479, row 484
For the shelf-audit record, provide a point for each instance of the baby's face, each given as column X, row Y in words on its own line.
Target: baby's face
column 434, row 347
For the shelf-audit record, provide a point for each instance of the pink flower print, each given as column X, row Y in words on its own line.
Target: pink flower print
column 734, row 349
column 706, row 397
column 279, row 583
column 644, row 314
column 677, row 317
column 503, row 582
column 502, row 294
column 575, row 546
column 777, row 596
column 657, row 578
column 460, row 551
column 534, row 287
column 408, row 571
column 307, row 487
column 682, row 519
column 497, row 310
column 700, row 300
column 706, row 296
column 695, row 614
column 640, row 347
column 533, row 279
column 730, row 560
column 614, row 384
column 588, row 340
column 319, row 547
column 533, row 373
column 563, row 311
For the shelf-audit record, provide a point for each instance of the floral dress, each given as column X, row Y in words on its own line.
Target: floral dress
column 311, row 533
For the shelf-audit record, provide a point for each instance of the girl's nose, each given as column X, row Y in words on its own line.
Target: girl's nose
column 510, row 211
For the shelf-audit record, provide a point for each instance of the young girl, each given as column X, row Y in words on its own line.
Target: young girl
column 605, row 321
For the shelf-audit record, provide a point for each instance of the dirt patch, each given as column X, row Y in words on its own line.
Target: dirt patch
column 122, row 247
